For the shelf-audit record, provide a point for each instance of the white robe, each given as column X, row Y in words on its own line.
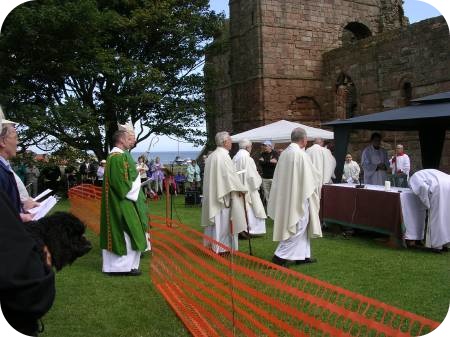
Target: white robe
column 298, row 246
column 293, row 195
column 433, row 189
column 402, row 163
column 370, row 158
column 351, row 172
column 323, row 161
column 113, row 263
column 251, row 179
column 221, row 202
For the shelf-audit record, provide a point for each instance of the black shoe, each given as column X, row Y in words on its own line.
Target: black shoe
column 307, row 260
column 279, row 261
column 243, row 236
column 224, row 254
column 132, row 272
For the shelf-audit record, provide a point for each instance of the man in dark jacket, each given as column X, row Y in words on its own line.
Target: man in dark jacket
column 27, row 284
column 8, row 148
column 267, row 162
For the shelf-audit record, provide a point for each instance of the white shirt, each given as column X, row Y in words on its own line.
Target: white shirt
column 402, row 163
column 351, row 172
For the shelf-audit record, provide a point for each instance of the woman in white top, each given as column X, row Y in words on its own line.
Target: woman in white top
column 351, row 170
column 142, row 168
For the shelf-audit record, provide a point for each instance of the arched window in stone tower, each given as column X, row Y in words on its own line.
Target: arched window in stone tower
column 345, row 99
column 354, row 31
column 406, row 93
column 305, row 109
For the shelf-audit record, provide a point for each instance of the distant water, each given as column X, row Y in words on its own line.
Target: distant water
column 167, row 157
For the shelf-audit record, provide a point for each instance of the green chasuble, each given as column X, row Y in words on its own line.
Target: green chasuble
column 119, row 214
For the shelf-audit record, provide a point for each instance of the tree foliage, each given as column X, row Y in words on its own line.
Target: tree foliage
column 71, row 69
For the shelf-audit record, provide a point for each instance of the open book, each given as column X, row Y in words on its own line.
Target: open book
column 44, row 207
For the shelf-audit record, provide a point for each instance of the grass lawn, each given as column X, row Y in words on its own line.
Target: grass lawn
column 91, row 304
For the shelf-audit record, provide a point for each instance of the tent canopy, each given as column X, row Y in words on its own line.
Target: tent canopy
column 411, row 117
column 280, row 132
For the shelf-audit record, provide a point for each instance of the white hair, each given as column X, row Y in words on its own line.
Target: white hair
column 5, row 128
column 244, row 143
column 221, row 137
column 298, row 134
column 319, row 141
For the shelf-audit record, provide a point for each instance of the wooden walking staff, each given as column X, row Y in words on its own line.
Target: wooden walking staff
column 168, row 196
column 248, row 226
column 394, row 180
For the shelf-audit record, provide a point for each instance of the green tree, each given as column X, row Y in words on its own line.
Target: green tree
column 71, row 69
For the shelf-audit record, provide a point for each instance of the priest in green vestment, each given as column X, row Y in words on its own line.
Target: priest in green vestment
column 123, row 223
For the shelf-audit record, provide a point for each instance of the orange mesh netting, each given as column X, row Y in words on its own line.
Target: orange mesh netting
column 236, row 294
column 85, row 203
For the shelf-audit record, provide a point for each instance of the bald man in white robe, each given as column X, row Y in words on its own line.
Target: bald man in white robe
column 251, row 179
column 433, row 189
column 223, row 215
column 294, row 203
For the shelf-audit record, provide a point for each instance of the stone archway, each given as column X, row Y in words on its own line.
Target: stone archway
column 353, row 32
column 345, row 99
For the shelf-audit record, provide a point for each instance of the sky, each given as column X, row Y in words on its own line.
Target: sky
column 414, row 9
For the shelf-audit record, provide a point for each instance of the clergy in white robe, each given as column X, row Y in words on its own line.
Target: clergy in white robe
column 351, row 170
column 251, row 179
column 433, row 189
column 223, row 215
column 400, row 166
column 323, row 160
column 374, row 161
column 294, row 202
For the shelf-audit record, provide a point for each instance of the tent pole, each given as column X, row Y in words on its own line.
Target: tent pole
column 341, row 137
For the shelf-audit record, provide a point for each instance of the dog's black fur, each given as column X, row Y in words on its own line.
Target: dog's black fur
column 63, row 234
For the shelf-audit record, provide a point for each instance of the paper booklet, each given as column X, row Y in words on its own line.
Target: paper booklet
column 44, row 207
column 43, row 194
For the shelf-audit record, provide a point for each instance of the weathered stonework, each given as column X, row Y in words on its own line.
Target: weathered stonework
column 315, row 61
column 387, row 71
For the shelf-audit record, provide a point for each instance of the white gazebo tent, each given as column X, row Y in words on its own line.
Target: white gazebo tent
column 280, row 132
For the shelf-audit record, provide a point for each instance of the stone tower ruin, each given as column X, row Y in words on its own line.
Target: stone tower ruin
column 275, row 55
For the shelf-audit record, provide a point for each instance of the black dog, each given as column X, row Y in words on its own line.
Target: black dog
column 63, row 234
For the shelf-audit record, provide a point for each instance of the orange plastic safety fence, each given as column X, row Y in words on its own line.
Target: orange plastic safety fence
column 240, row 295
column 85, row 203
column 235, row 294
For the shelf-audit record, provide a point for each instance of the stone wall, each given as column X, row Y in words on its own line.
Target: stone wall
column 387, row 71
column 276, row 53
column 219, row 111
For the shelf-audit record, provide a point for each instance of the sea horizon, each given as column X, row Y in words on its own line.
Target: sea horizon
column 166, row 157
